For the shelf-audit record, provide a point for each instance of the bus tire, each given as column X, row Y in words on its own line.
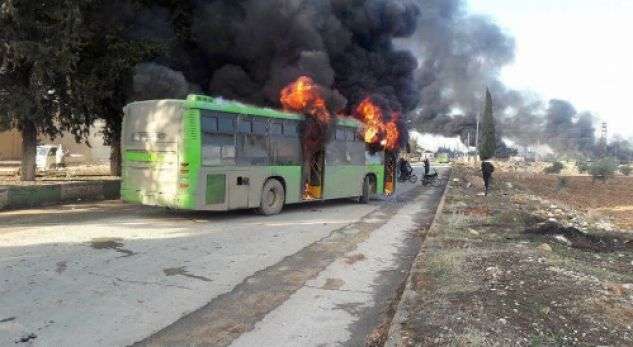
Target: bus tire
column 364, row 199
column 273, row 198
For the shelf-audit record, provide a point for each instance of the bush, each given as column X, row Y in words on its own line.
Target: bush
column 603, row 169
column 563, row 183
column 555, row 169
column 582, row 166
column 626, row 170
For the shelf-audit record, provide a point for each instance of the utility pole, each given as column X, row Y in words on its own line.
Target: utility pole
column 468, row 148
column 603, row 138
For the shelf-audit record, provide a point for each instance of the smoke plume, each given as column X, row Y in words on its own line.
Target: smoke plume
column 250, row 49
column 460, row 55
column 426, row 60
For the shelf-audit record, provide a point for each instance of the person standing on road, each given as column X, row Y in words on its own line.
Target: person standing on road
column 486, row 170
column 427, row 167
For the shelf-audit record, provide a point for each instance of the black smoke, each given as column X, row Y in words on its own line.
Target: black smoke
column 250, row 49
column 428, row 60
column 460, row 55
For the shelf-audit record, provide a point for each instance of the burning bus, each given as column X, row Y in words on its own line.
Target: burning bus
column 213, row 154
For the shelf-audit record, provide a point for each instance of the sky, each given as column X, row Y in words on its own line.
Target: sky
column 577, row 50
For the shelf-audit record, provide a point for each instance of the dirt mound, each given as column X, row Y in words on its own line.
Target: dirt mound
column 577, row 239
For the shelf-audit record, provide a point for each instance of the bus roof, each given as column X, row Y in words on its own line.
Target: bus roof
column 219, row 104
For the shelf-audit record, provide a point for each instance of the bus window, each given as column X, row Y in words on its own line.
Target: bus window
column 259, row 127
column 374, row 158
column 290, row 128
column 356, row 151
column 245, row 126
column 275, row 128
column 226, row 125
column 337, row 153
column 349, row 135
column 340, row 134
column 209, row 124
column 253, row 147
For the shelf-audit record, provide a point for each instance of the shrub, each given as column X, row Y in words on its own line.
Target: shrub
column 603, row 169
column 626, row 170
column 582, row 166
column 562, row 184
column 555, row 169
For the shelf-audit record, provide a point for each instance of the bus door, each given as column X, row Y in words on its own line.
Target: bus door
column 313, row 176
column 390, row 172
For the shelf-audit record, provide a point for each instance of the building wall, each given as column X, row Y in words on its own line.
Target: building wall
column 11, row 146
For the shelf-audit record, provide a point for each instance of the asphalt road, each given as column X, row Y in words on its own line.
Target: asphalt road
column 110, row 274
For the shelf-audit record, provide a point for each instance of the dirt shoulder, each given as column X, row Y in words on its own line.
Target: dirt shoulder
column 496, row 271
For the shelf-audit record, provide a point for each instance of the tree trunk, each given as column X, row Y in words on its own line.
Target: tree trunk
column 115, row 156
column 29, row 149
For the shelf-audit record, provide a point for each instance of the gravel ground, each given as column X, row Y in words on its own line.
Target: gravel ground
column 496, row 271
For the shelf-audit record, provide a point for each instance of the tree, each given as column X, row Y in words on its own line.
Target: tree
column 105, row 67
column 488, row 145
column 604, row 169
column 37, row 40
column 556, row 168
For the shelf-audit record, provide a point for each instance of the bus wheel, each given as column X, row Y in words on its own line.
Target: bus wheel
column 273, row 198
column 364, row 199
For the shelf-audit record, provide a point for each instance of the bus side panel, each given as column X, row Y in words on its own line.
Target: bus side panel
column 379, row 171
column 292, row 179
column 214, row 188
column 190, row 163
column 343, row 181
column 226, row 188
column 291, row 176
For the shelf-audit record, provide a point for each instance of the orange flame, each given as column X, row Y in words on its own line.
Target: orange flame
column 392, row 133
column 304, row 96
column 376, row 131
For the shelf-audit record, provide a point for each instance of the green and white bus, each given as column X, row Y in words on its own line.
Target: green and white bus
column 212, row 154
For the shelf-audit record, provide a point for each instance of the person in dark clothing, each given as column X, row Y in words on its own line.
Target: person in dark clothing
column 486, row 170
column 427, row 167
column 405, row 168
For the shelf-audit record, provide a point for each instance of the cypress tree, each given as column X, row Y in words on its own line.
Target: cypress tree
column 488, row 144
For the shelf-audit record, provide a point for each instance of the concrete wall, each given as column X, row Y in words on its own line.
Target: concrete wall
column 14, row 197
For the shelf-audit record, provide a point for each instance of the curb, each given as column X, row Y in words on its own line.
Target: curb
column 16, row 197
column 394, row 337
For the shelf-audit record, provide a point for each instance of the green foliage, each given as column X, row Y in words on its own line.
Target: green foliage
column 626, row 170
column 555, row 168
column 562, row 184
column 105, row 66
column 603, row 169
column 488, row 145
column 38, row 40
column 582, row 166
